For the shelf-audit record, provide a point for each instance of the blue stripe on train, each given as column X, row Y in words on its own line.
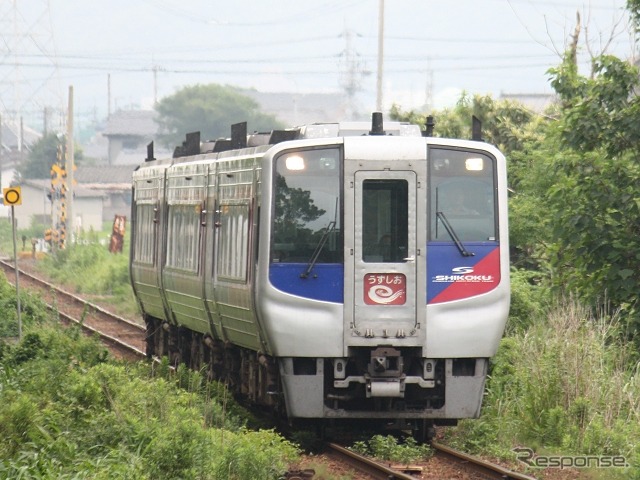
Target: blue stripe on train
column 326, row 281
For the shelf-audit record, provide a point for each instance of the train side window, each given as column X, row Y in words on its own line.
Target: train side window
column 233, row 242
column 145, row 235
column 183, row 237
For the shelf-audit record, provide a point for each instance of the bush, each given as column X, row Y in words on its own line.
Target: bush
column 527, row 300
column 103, row 420
column 569, row 383
column 247, row 454
column 387, row 447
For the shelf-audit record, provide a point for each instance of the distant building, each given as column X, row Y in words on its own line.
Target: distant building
column 295, row 109
column 129, row 132
column 100, row 194
column 16, row 145
column 113, row 183
column 36, row 206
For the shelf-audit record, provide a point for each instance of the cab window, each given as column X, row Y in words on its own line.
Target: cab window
column 462, row 193
column 307, row 200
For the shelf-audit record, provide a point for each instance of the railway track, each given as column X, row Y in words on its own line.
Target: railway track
column 476, row 465
column 447, row 463
column 124, row 338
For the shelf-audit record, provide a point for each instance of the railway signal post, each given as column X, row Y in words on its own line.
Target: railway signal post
column 12, row 196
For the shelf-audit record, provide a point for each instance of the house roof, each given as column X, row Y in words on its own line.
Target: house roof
column 45, row 185
column 139, row 123
column 104, row 175
column 11, row 134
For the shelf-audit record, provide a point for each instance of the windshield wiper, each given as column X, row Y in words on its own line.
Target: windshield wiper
column 316, row 253
column 452, row 233
column 323, row 239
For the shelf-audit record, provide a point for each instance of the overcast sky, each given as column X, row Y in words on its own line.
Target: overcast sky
column 151, row 48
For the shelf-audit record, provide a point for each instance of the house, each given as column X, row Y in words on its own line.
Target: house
column 113, row 182
column 129, row 131
column 36, row 206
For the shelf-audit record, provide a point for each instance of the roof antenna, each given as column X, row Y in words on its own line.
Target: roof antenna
column 376, row 124
column 476, row 128
column 150, row 156
column 430, row 125
column 239, row 135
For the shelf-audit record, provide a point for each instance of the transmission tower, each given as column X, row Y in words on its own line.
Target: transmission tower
column 352, row 74
column 29, row 79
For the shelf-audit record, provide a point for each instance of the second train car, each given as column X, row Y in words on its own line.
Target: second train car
column 331, row 271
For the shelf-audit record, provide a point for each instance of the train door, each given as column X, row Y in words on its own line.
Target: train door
column 385, row 258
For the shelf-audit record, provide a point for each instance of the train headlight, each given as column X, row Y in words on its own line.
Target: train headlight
column 474, row 164
column 295, row 162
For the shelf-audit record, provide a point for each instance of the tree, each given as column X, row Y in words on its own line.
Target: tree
column 505, row 123
column 601, row 112
column 44, row 153
column 211, row 110
column 594, row 201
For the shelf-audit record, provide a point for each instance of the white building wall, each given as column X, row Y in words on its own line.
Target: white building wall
column 87, row 209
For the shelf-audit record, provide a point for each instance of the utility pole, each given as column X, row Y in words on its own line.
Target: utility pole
column 108, row 95
column 69, row 166
column 1, row 152
column 380, row 54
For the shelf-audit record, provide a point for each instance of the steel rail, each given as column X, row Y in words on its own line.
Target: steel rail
column 367, row 466
column 92, row 326
column 476, row 463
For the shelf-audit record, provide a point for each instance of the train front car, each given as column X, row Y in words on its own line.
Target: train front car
column 383, row 275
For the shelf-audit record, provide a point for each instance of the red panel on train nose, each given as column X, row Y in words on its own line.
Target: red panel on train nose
column 385, row 289
column 482, row 278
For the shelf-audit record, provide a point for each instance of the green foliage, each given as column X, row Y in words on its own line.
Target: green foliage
column 527, row 299
column 633, row 6
column 43, row 155
column 596, row 201
column 387, row 447
column 211, row 110
column 102, row 420
column 33, row 309
column 506, row 124
column 249, row 454
column 91, row 269
column 567, row 384
column 600, row 112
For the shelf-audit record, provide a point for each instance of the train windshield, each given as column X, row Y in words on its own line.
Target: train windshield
column 462, row 198
column 307, row 222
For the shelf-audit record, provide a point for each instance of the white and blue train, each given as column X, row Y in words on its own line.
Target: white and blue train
column 331, row 271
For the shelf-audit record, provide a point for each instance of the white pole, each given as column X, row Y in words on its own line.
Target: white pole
column 15, row 256
column 70, row 231
column 380, row 54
